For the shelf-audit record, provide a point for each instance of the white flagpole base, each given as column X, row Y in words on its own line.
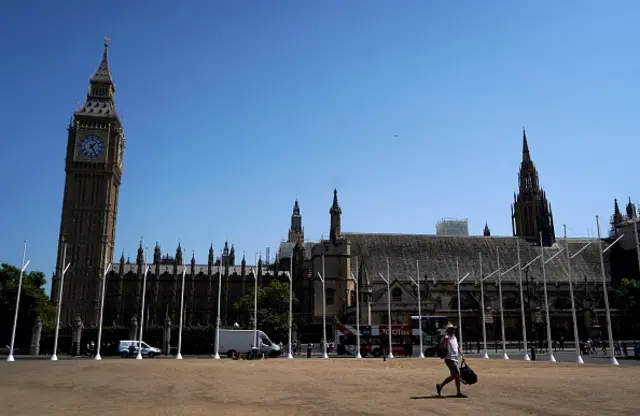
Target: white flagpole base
column 216, row 356
column 485, row 356
column 289, row 355
column 325, row 355
column 390, row 356
column 139, row 356
column 613, row 361
column 526, row 357
column 358, row 355
column 97, row 357
column 579, row 359
column 421, row 355
column 54, row 357
column 552, row 359
column 505, row 356
column 10, row 358
column 179, row 356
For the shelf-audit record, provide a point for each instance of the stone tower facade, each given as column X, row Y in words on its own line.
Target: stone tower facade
column 93, row 172
column 531, row 212
column 296, row 231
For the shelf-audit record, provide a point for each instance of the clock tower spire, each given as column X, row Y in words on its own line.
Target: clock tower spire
column 93, row 172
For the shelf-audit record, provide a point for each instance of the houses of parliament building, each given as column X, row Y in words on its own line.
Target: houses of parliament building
column 94, row 170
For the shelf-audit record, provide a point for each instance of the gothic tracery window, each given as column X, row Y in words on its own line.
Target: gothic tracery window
column 396, row 294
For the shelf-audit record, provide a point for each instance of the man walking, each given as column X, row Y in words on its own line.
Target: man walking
column 454, row 354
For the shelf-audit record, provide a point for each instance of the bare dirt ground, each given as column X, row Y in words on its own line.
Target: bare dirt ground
column 311, row 387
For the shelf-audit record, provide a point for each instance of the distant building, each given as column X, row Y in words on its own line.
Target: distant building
column 453, row 227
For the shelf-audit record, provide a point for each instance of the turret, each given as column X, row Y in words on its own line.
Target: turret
column 487, row 231
column 335, row 212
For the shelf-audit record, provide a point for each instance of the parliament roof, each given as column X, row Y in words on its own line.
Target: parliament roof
column 437, row 255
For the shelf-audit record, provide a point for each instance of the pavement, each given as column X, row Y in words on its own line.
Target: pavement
column 566, row 356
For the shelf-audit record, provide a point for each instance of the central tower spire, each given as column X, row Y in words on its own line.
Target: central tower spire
column 531, row 212
column 296, row 231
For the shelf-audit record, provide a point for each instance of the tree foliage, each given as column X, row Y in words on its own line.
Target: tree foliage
column 33, row 300
column 273, row 309
column 629, row 290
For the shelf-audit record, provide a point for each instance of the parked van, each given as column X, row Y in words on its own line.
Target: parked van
column 129, row 348
column 241, row 340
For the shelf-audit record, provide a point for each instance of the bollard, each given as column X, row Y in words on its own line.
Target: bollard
column 533, row 353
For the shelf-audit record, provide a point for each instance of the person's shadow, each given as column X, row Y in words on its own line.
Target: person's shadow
column 435, row 396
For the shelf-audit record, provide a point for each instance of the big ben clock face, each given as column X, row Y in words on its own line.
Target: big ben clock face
column 91, row 146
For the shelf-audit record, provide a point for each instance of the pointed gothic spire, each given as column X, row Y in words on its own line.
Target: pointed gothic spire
column 487, row 231
column 631, row 210
column 335, row 207
column 617, row 215
column 103, row 74
column 526, row 157
column 122, row 257
column 193, row 257
column 296, row 208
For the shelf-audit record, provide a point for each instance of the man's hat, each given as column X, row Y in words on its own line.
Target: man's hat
column 450, row 326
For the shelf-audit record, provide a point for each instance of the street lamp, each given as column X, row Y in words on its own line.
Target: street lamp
column 358, row 355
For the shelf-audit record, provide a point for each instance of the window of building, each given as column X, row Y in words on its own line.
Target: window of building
column 329, row 293
column 396, row 294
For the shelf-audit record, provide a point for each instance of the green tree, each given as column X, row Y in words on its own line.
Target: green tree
column 273, row 309
column 629, row 290
column 33, row 301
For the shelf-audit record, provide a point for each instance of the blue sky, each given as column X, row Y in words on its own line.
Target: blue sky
column 233, row 108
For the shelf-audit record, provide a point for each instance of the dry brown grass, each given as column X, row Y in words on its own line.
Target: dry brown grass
column 311, row 387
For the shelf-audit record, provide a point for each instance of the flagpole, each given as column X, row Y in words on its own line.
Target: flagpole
column 576, row 338
column 390, row 355
column 484, row 322
column 216, row 356
column 635, row 232
column 419, row 308
column 54, row 357
column 144, row 293
column 184, row 272
column 606, row 295
column 504, row 342
column 255, row 307
column 459, row 308
column 522, row 313
column 546, row 302
column 104, row 287
column 324, row 314
column 290, row 355
column 23, row 266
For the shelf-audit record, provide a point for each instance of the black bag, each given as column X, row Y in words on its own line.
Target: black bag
column 467, row 375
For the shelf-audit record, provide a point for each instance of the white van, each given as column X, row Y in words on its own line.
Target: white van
column 125, row 350
column 241, row 341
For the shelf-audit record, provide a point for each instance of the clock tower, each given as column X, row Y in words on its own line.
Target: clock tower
column 93, row 171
